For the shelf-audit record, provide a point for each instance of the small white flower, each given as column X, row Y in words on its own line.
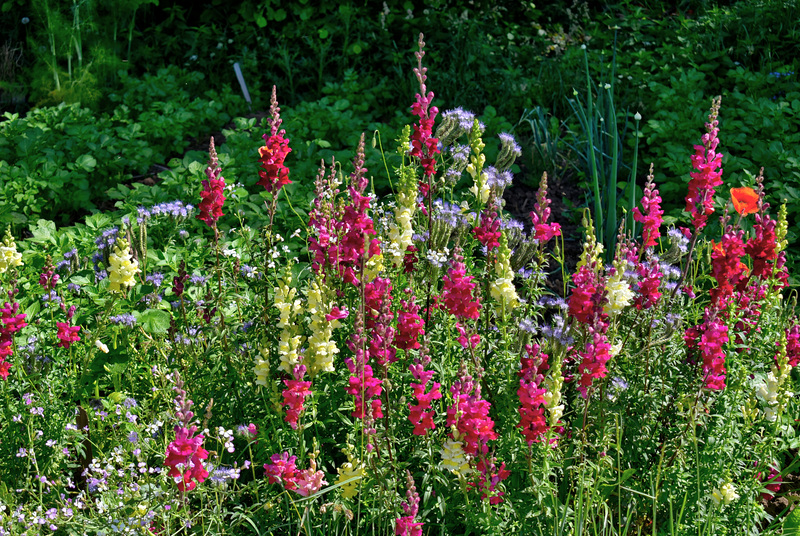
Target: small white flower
column 637, row 116
column 100, row 346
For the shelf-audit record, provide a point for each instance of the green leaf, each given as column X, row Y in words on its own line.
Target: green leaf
column 791, row 525
column 261, row 21
column 86, row 161
column 44, row 231
column 154, row 321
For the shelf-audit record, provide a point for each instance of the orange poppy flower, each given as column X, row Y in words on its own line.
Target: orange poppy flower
column 745, row 200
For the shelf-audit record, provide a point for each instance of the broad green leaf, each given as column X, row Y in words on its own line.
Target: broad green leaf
column 154, row 321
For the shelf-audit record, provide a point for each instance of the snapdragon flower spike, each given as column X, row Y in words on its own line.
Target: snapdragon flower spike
column 593, row 360
column 652, row 216
column 67, row 334
column 324, row 221
column 763, row 248
column 274, row 175
column 490, row 475
column 409, row 324
column 213, row 195
column 423, row 145
column 184, row 457
column 543, row 231
column 488, row 232
column 792, row 345
column 457, row 290
column 650, row 275
column 469, row 413
column 282, row 470
column 421, row 413
column 714, row 337
column 533, row 420
column 588, row 297
column 295, row 394
column 10, row 322
column 406, row 525
column 708, row 175
column 363, row 385
column 185, row 454
column 48, row 278
column 377, row 303
column 726, row 266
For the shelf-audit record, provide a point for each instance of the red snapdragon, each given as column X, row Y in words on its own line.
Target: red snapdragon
column 457, row 290
column 726, row 266
column 185, row 455
column 409, row 324
column 274, row 175
column 649, row 282
column 488, row 232
column 213, row 195
column 10, row 323
column 295, row 394
column 587, row 299
column 533, row 420
column 469, row 413
column 593, row 361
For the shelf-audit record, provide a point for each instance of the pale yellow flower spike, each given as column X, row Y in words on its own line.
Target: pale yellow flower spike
column 122, row 269
column 9, row 256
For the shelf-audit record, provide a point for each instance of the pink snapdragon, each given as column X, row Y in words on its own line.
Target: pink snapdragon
column 213, row 195
column 283, row 470
column 649, row 282
column 469, row 413
column 533, row 420
column 488, row 232
column 726, row 266
column 274, row 175
column 377, row 303
column 792, row 345
column 406, row 525
column 295, row 394
column 423, row 145
column 587, row 299
column 543, row 231
column 593, row 361
column 409, row 324
column 763, row 248
column 185, row 454
column 652, row 216
column 67, row 334
column 10, row 323
column 490, row 475
column 713, row 335
column 457, row 290
column 708, row 175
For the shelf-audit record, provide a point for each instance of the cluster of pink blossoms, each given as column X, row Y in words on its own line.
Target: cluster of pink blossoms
column 457, row 290
column 283, row 470
column 185, row 454
column 406, row 525
column 707, row 162
column 423, row 145
column 488, row 232
column 363, row 384
column 543, row 231
column 470, row 415
column 377, row 303
column 274, row 175
column 593, row 360
column 213, row 195
column 409, row 324
column 295, row 394
column 533, row 419
column 10, row 322
column 652, row 216
column 649, row 282
column 67, row 334
column 709, row 338
column 792, row 345
column 727, row 267
column 587, row 299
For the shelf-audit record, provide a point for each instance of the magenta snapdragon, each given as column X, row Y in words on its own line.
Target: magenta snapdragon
column 652, row 215
column 543, row 231
column 213, row 195
column 295, row 394
column 185, row 453
column 10, row 322
column 457, row 290
column 406, row 525
column 593, row 360
column 708, row 175
column 423, row 145
column 274, row 175
column 533, row 420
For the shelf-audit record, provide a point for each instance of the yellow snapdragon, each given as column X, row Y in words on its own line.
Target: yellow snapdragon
column 454, row 458
column 502, row 289
column 122, row 268
column 9, row 256
column 289, row 307
column 321, row 348
column 348, row 470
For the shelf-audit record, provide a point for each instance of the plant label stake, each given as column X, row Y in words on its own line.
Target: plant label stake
column 240, row 78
